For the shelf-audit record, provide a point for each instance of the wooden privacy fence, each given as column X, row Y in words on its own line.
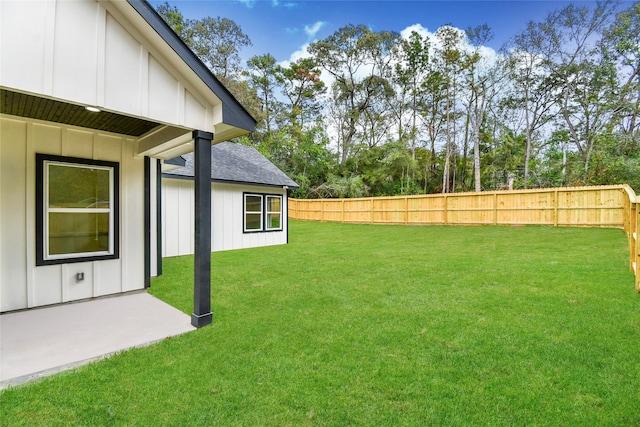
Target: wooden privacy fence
column 603, row 206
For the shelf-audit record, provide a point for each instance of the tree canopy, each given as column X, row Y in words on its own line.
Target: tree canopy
column 372, row 113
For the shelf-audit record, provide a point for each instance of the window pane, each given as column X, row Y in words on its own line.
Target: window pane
column 273, row 204
column 253, row 221
column 273, row 221
column 78, row 232
column 253, row 204
column 78, row 187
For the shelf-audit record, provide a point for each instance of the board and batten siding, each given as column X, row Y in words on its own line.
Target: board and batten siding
column 22, row 284
column 88, row 53
column 227, row 218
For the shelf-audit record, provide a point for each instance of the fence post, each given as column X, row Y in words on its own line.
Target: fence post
column 371, row 209
column 406, row 210
column 636, row 236
column 495, row 208
column 446, row 209
column 555, row 208
column 627, row 213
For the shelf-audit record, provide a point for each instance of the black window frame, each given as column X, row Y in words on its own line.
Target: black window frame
column 263, row 224
column 42, row 258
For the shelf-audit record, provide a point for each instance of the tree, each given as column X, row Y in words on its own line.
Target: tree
column 585, row 77
column 432, row 107
column 533, row 92
column 621, row 46
column 448, row 55
column 504, row 161
column 342, row 55
column 410, row 73
column 302, row 86
column 176, row 21
column 262, row 71
column 577, row 70
column 356, row 59
column 217, row 42
column 481, row 89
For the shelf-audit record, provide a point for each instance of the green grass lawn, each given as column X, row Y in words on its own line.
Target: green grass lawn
column 380, row 326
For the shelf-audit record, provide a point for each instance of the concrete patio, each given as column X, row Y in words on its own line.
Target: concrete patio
column 40, row 342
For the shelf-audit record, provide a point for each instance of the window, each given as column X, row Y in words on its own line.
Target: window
column 262, row 212
column 274, row 213
column 77, row 210
column 252, row 212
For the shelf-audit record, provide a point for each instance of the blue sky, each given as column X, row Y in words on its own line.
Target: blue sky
column 282, row 27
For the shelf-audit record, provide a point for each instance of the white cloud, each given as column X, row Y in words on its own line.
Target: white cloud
column 312, row 30
column 488, row 54
column 303, row 52
column 418, row 28
column 274, row 3
column 248, row 3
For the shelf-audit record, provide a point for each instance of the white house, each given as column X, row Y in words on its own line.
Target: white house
column 248, row 201
column 95, row 95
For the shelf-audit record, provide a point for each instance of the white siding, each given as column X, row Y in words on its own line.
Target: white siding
column 22, row 284
column 227, row 218
column 83, row 52
column 123, row 77
column 13, row 227
column 164, row 100
column 177, row 217
column 75, row 29
column 28, row 69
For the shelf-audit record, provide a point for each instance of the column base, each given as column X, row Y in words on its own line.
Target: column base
column 201, row 320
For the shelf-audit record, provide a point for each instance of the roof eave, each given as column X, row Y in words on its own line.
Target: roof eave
column 168, row 174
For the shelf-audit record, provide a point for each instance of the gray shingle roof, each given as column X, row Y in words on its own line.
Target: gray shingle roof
column 236, row 163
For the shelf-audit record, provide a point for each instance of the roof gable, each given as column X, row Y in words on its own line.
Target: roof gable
column 233, row 113
column 118, row 56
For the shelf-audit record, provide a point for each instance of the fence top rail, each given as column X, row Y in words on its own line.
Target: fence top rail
column 623, row 187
